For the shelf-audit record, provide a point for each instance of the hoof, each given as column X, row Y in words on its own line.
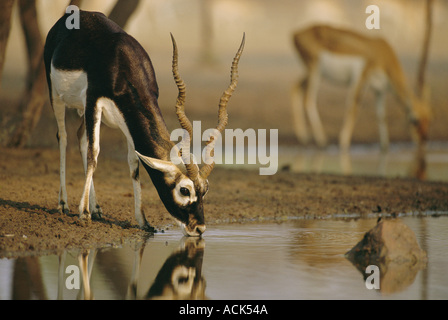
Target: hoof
column 97, row 214
column 148, row 228
column 63, row 208
column 85, row 216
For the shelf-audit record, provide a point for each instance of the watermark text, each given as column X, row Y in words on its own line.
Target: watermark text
column 240, row 147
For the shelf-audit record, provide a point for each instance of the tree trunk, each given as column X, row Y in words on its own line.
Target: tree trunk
column 5, row 27
column 421, row 80
column 31, row 105
column 207, row 56
column 33, row 38
column 34, row 98
column 122, row 11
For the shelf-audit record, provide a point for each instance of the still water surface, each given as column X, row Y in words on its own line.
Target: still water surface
column 364, row 160
column 301, row 259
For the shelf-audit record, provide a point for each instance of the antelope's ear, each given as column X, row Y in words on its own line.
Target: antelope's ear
column 157, row 164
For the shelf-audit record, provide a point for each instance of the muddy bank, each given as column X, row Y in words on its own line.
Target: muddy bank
column 30, row 223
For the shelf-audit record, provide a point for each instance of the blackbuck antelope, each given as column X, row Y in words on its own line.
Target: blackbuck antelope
column 107, row 76
column 356, row 61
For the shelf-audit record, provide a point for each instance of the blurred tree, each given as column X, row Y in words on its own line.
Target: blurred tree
column 418, row 168
column 5, row 26
column 123, row 10
column 33, row 39
column 421, row 83
column 206, row 31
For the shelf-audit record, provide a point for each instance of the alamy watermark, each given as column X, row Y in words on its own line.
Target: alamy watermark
column 73, row 21
column 373, row 280
column 373, row 20
column 72, row 282
column 238, row 146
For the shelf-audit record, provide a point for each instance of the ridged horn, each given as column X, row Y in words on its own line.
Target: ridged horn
column 222, row 111
column 192, row 168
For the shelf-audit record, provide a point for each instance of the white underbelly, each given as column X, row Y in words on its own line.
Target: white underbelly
column 70, row 87
column 341, row 68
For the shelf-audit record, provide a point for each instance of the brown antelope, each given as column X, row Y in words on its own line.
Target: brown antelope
column 107, row 76
column 357, row 61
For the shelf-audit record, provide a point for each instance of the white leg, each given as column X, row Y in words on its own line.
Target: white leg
column 92, row 122
column 135, row 175
column 345, row 136
column 311, row 108
column 94, row 207
column 59, row 112
column 381, row 114
column 132, row 287
column 353, row 101
column 298, row 112
column 83, row 259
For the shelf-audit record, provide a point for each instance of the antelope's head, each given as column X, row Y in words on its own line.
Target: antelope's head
column 184, row 185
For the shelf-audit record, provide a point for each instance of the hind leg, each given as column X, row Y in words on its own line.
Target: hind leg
column 310, row 101
column 89, row 147
column 346, row 133
column 59, row 113
column 94, row 207
column 381, row 114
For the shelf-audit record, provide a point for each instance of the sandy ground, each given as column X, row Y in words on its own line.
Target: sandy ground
column 30, row 223
column 29, row 178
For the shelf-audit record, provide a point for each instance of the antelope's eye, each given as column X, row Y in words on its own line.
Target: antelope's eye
column 185, row 192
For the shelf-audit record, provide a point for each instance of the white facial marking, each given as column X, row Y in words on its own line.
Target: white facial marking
column 182, row 280
column 179, row 194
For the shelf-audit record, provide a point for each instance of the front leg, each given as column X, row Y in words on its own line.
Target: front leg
column 133, row 162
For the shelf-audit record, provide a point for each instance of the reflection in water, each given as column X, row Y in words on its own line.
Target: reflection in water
column 301, row 259
column 86, row 265
column 322, row 248
column 393, row 248
column 407, row 160
column 180, row 278
column 27, row 279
